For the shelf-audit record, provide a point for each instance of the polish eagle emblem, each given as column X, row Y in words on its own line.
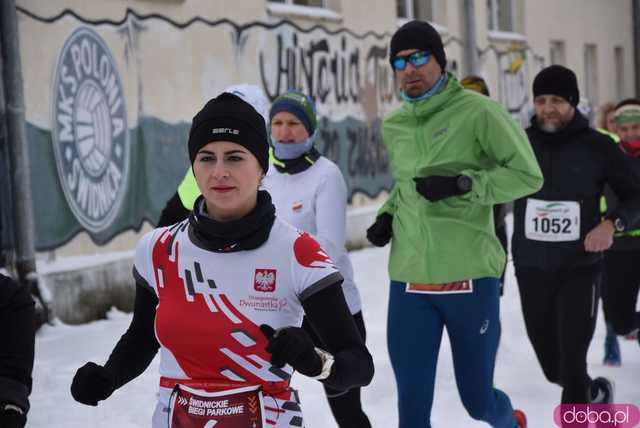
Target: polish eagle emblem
column 265, row 280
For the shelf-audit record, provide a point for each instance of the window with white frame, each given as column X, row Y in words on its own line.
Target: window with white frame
column 618, row 58
column 501, row 15
column 416, row 9
column 591, row 73
column 557, row 52
column 312, row 3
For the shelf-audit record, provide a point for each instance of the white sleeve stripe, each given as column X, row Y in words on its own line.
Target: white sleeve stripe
column 160, row 274
column 325, row 282
column 164, row 236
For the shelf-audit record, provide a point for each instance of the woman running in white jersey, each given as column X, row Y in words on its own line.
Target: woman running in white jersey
column 222, row 295
column 309, row 192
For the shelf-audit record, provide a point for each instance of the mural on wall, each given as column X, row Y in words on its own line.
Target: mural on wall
column 89, row 130
column 109, row 108
column 516, row 66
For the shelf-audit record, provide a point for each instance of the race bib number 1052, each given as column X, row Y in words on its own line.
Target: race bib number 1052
column 552, row 221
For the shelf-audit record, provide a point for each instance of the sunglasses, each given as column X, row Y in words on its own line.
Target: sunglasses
column 416, row 59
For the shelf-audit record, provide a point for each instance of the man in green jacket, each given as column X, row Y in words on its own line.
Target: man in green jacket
column 454, row 155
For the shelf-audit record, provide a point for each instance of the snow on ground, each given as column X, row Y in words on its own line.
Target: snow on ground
column 61, row 349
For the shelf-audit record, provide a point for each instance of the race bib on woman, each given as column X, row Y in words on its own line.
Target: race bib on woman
column 552, row 221
column 234, row 408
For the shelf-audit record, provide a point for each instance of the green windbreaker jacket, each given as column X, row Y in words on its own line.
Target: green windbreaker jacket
column 454, row 132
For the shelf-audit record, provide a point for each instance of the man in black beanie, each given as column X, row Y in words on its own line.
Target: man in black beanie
column 559, row 237
column 557, row 85
column 454, row 155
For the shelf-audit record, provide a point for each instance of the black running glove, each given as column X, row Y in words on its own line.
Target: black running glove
column 10, row 417
column 92, row 383
column 438, row 187
column 380, row 232
column 293, row 346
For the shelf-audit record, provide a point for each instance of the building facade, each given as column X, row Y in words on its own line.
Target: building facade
column 111, row 86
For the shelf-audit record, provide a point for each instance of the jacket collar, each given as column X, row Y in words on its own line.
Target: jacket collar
column 437, row 102
column 297, row 165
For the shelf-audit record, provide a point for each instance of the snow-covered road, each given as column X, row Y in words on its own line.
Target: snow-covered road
column 60, row 350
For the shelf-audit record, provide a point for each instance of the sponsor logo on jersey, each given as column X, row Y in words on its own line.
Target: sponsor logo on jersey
column 265, row 280
column 89, row 130
column 553, row 208
column 309, row 253
column 264, row 303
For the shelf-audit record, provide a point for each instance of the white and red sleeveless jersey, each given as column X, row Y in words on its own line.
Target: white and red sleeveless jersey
column 211, row 306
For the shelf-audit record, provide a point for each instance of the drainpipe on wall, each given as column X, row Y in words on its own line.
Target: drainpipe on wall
column 18, row 149
column 470, row 41
column 636, row 43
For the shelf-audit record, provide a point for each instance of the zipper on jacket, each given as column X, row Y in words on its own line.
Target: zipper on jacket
column 421, row 152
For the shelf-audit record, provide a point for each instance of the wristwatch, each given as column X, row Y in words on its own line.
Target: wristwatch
column 619, row 224
column 327, row 363
column 464, row 183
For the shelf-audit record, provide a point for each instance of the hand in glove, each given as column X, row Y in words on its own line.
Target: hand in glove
column 11, row 416
column 380, row 232
column 438, row 187
column 293, row 346
column 92, row 383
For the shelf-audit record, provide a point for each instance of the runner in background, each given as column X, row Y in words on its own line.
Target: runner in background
column 559, row 237
column 478, row 84
column 606, row 123
column 621, row 294
column 612, row 357
column 309, row 192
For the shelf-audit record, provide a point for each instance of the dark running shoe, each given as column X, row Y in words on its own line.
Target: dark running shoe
column 601, row 391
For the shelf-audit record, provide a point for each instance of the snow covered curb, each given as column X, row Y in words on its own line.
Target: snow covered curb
column 85, row 291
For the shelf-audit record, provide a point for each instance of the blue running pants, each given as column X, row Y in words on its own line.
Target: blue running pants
column 414, row 331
